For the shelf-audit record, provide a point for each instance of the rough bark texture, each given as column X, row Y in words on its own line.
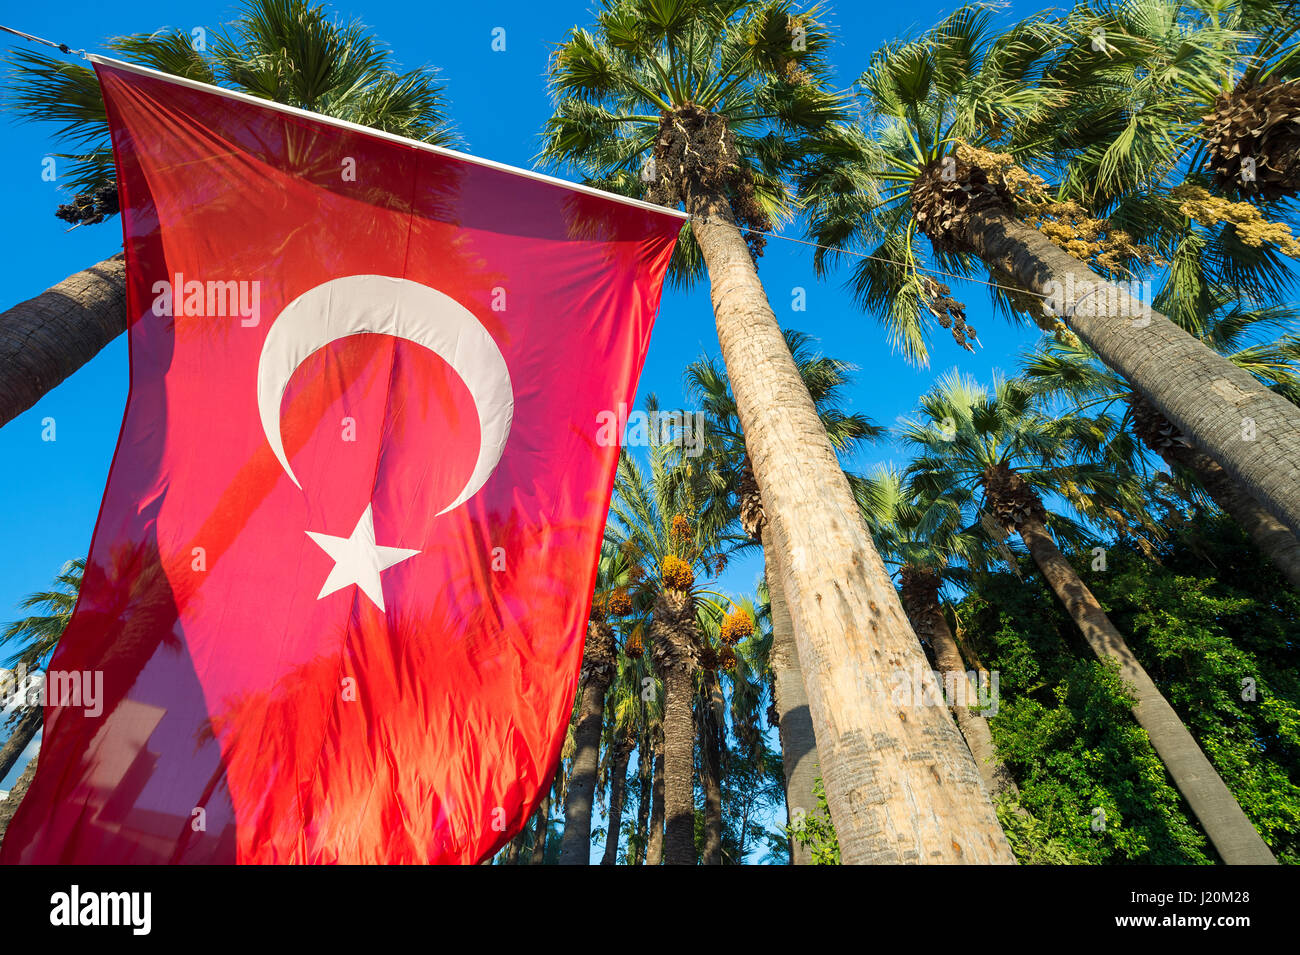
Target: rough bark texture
column 672, row 633
column 655, row 849
column 617, row 791
column 1273, row 538
column 901, row 784
column 711, row 770
column 921, row 601
column 749, row 504
column 794, row 719
column 45, row 339
column 597, row 672
column 10, row 804
column 1233, row 835
column 23, row 733
column 789, row 698
column 1253, row 432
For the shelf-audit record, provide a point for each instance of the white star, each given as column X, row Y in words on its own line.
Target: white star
column 357, row 560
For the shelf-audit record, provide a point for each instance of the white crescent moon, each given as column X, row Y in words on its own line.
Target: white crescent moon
column 383, row 305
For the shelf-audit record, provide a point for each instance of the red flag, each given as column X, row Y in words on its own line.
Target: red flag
column 337, row 593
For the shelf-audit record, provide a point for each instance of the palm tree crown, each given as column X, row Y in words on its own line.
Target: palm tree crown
column 960, row 83
column 673, row 101
column 35, row 636
column 289, row 51
column 967, row 436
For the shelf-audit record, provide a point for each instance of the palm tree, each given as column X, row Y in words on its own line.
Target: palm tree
column 925, row 539
column 664, row 517
column 1133, row 141
column 34, row 638
column 710, row 728
column 654, row 854
column 632, row 717
column 950, row 115
column 738, row 495
column 700, row 103
column 598, row 667
column 288, row 51
column 618, row 755
column 542, row 834
column 1185, row 86
column 998, row 443
column 724, row 675
column 651, row 522
column 752, row 767
column 639, row 836
column 1070, row 369
column 1256, row 118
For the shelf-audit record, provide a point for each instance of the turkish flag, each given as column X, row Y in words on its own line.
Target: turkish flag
column 338, row 589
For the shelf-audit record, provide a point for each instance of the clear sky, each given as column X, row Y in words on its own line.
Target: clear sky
column 50, row 490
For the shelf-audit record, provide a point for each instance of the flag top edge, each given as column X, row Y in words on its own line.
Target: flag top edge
column 390, row 137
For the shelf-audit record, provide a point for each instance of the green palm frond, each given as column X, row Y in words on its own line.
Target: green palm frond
column 612, row 85
column 1085, row 462
column 725, row 455
column 289, row 51
column 960, row 81
column 1104, row 102
column 35, row 636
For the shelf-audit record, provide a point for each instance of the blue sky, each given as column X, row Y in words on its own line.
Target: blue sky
column 51, row 489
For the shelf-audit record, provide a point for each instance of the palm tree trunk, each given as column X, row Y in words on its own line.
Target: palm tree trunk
column 1233, row 835
column 1253, row 432
column 18, row 740
column 974, row 726
column 11, row 802
column 902, row 786
column 512, row 850
column 575, row 844
column 543, row 829
column 921, row 600
column 794, row 720
column 597, row 672
column 617, row 790
column 711, row 773
column 655, row 850
column 45, row 339
column 1273, row 538
column 672, row 634
column 645, row 781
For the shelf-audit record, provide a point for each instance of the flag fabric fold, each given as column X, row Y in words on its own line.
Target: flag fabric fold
column 337, row 592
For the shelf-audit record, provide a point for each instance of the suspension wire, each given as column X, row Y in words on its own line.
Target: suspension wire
column 65, row 49
column 61, row 47
column 878, row 258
